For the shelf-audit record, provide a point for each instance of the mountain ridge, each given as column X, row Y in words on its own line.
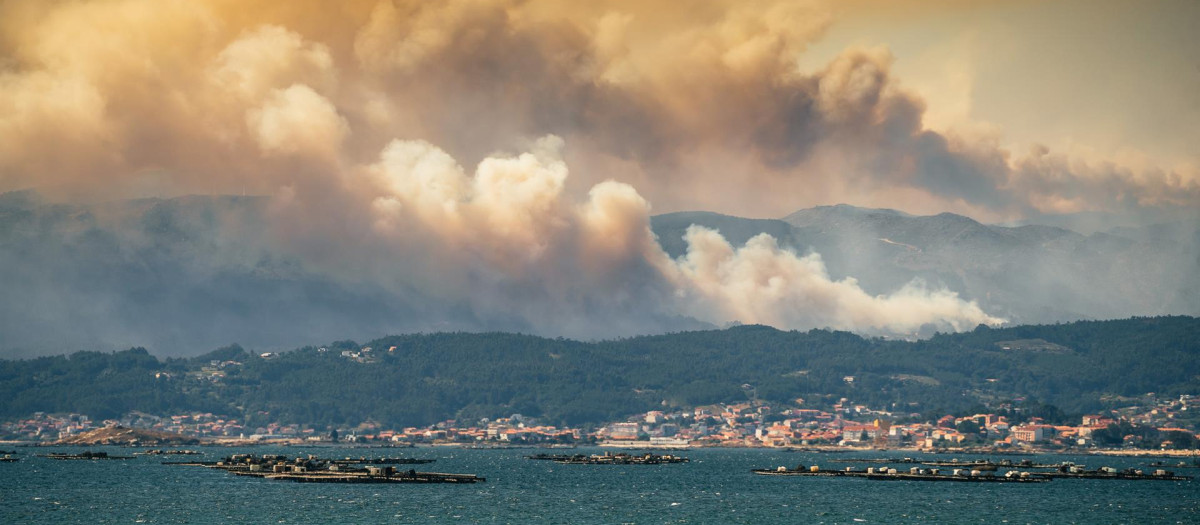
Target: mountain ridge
column 1026, row 273
column 188, row 273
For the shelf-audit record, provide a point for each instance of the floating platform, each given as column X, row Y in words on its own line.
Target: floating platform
column 1128, row 474
column 624, row 459
column 979, row 474
column 82, row 455
column 402, row 477
column 982, row 465
column 904, row 476
column 809, row 473
column 312, row 469
column 159, row 452
column 382, row 476
column 555, row 457
column 987, row 464
column 1176, row 465
column 918, row 475
column 381, row 461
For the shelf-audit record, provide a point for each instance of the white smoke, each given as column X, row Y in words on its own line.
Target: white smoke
column 762, row 283
column 508, row 240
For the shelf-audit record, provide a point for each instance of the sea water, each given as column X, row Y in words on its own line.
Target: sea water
column 715, row 487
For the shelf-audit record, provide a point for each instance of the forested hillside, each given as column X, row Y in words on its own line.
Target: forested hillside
column 427, row 378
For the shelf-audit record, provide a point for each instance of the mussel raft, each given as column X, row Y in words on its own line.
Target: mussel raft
column 913, row 474
column 381, row 461
column 609, row 458
column 1079, row 472
column 161, row 452
column 312, row 469
column 82, row 455
column 976, row 475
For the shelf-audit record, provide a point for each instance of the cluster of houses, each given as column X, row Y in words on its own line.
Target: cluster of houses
column 365, row 354
column 50, row 427
column 214, row 371
column 200, row 424
column 747, row 424
column 515, row 429
column 45, row 427
column 845, row 424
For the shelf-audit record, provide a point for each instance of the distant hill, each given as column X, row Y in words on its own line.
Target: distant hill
column 421, row 379
column 186, row 274
column 1028, row 274
column 178, row 275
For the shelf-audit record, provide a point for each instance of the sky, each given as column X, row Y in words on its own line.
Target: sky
column 999, row 110
column 1103, row 76
column 505, row 149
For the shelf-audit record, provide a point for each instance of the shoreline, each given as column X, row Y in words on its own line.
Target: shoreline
column 633, row 445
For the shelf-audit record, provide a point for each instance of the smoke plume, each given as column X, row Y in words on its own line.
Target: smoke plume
column 356, row 121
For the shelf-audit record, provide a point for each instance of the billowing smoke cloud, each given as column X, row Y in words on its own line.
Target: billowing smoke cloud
column 701, row 107
column 770, row 285
column 335, row 111
column 508, row 240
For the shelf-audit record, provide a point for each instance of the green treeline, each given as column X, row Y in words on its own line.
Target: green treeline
column 1065, row 368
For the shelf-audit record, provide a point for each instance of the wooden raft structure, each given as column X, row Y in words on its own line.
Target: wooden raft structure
column 361, row 477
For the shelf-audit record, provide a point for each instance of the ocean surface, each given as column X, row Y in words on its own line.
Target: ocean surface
column 716, row 487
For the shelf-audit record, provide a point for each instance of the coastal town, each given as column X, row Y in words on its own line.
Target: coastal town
column 1160, row 425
